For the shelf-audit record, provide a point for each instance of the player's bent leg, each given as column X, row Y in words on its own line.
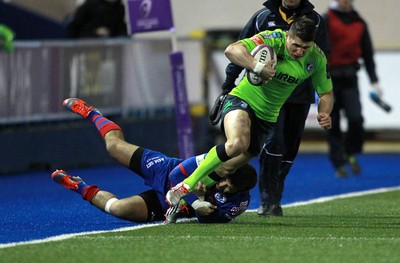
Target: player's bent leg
column 133, row 208
column 237, row 131
column 90, row 113
column 118, row 148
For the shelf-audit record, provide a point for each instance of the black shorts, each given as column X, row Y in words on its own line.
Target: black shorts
column 259, row 128
column 155, row 212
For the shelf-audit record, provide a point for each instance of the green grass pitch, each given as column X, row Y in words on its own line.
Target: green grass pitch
column 357, row 229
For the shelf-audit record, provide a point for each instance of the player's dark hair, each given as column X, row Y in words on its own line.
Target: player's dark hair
column 303, row 28
column 245, row 178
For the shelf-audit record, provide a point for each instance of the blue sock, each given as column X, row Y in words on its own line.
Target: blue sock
column 81, row 187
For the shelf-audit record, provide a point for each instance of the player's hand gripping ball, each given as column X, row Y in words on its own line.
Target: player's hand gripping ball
column 263, row 54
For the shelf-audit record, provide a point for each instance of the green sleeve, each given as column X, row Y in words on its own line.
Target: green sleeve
column 321, row 79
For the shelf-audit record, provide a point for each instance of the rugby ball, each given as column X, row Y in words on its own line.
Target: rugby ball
column 262, row 53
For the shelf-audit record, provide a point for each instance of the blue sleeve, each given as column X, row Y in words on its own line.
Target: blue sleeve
column 182, row 171
column 229, row 207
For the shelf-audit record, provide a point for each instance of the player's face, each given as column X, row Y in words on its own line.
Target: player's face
column 296, row 47
column 226, row 186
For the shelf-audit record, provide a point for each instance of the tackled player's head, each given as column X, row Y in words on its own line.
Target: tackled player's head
column 244, row 179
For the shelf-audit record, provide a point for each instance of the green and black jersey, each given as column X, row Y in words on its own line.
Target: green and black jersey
column 267, row 100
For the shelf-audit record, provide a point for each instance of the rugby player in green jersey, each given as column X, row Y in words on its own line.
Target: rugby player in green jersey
column 249, row 112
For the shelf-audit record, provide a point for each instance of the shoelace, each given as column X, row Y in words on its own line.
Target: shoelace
column 67, row 182
column 82, row 109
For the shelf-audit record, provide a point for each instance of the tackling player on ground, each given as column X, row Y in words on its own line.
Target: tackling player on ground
column 221, row 200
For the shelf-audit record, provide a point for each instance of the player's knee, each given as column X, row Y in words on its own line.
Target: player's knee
column 110, row 205
column 112, row 146
column 236, row 147
column 115, row 208
column 273, row 148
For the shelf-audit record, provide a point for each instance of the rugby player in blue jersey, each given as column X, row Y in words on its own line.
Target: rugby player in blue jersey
column 216, row 200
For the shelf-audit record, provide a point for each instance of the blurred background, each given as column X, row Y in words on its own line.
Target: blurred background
column 129, row 79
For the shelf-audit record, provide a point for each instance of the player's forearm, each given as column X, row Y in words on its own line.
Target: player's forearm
column 237, row 54
column 325, row 103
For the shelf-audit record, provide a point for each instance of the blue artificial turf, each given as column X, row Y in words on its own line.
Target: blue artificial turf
column 34, row 207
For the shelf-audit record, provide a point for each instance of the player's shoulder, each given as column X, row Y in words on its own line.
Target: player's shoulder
column 317, row 55
column 275, row 34
column 265, row 37
column 262, row 14
column 318, row 50
column 260, row 19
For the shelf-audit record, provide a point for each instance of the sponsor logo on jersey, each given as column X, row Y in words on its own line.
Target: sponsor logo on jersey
column 287, row 78
column 257, row 40
column 277, row 35
column 220, row 198
column 272, row 35
column 271, row 23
